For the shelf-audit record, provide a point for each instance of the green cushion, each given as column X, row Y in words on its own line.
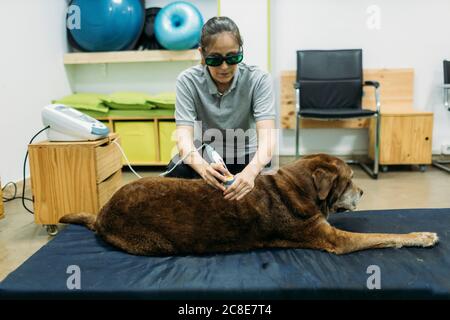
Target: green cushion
column 122, row 106
column 85, row 101
column 95, row 114
column 124, row 100
column 132, row 113
column 141, row 113
column 164, row 100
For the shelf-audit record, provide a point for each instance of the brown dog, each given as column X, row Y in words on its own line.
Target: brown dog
column 169, row 216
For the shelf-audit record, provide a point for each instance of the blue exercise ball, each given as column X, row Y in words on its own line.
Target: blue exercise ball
column 106, row 25
column 178, row 26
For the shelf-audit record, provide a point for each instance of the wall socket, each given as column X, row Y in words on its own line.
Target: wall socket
column 445, row 148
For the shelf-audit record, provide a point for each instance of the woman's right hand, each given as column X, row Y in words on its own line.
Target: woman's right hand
column 214, row 174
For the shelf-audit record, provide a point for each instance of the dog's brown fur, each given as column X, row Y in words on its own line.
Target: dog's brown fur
column 169, row 216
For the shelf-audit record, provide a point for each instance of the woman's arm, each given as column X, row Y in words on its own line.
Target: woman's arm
column 245, row 181
column 185, row 144
column 266, row 146
column 209, row 172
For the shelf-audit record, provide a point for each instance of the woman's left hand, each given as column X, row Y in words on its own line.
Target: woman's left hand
column 242, row 185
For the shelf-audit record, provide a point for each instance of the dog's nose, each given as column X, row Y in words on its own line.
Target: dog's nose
column 360, row 192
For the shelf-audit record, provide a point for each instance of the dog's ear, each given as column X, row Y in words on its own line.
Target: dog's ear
column 323, row 180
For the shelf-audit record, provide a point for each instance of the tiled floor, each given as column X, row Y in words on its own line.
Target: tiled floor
column 404, row 187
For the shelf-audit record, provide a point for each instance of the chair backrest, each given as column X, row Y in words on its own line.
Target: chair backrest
column 330, row 79
column 446, row 72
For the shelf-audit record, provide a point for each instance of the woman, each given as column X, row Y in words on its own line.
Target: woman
column 231, row 101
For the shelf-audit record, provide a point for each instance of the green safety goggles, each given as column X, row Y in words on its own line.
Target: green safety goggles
column 216, row 60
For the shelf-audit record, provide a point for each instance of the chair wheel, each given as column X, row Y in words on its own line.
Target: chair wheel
column 422, row 168
column 52, row 229
column 384, row 168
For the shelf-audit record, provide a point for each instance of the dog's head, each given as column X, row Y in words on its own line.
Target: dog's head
column 332, row 179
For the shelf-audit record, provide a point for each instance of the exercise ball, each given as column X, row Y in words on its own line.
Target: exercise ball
column 107, row 25
column 178, row 26
column 148, row 40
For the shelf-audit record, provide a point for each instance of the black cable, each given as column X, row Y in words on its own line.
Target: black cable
column 14, row 197
column 5, row 199
column 24, row 167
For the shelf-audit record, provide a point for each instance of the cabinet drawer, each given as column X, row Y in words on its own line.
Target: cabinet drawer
column 108, row 160
column 107, row 188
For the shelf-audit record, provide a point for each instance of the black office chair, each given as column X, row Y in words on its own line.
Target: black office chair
column 329, row 86
column 441, row 164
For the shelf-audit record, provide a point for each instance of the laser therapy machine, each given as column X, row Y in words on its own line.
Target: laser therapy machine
column 69, row 124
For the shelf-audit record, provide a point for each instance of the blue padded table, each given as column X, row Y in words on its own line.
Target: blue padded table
column 262, row 274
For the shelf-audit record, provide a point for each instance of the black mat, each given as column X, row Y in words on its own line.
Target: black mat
column 274, row 274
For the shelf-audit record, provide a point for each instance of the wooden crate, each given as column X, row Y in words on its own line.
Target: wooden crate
column 405, row 137
column 2, row 211
column 396, row 90
column 71, row 177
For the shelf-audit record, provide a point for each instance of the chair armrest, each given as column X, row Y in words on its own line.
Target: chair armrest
column 446, row 93
column 375, row 84
column 297, row 97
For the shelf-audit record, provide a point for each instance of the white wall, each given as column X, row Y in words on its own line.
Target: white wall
column 251, row 16
column 412, row 34
column 153, row 77
column 31, row 74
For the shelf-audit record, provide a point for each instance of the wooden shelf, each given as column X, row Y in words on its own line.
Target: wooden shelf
column 131, row 56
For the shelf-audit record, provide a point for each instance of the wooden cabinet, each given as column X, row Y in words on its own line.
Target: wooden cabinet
column 71, row 177
column 405, row 137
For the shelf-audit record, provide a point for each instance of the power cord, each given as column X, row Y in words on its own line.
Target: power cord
column 126, row 159
column 162, row 174
column 181, row 160
column 24, row 168
column 14, row 197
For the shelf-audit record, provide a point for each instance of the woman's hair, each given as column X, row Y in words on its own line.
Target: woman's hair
column 217, row 25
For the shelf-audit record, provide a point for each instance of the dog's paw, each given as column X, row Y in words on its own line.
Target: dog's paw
column 426, row 239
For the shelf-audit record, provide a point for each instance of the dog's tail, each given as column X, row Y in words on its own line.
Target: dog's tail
column 82, row 218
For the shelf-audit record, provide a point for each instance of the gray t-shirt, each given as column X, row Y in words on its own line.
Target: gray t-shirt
column 229, row 118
